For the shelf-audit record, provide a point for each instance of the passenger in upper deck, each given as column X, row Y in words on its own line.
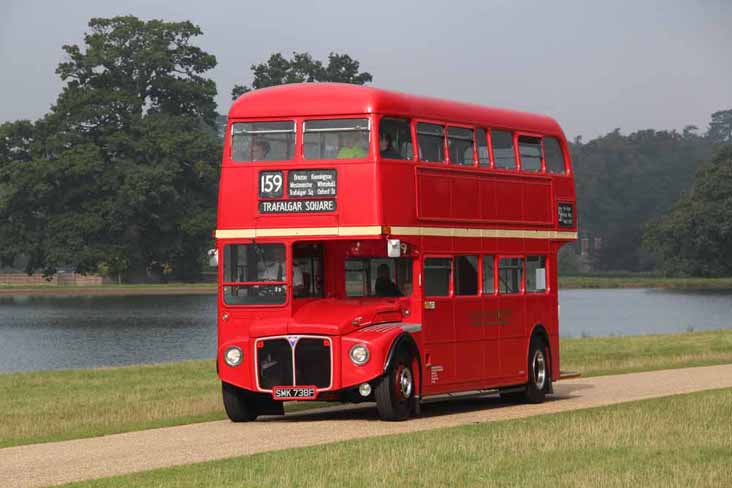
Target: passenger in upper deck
column 351, row 147
column 386, row 145
column 260, row 149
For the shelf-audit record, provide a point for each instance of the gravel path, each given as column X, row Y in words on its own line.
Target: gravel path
column 61, row 462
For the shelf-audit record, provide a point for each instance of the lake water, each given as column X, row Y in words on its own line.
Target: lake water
column 78, row 332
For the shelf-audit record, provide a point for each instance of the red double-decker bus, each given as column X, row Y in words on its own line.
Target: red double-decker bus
column 378, row 246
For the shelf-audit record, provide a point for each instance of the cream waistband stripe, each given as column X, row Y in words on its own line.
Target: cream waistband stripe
column 376, row 230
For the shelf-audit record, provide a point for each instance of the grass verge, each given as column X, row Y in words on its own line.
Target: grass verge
column 631, row 281
column 684, row 441
column 58, row 405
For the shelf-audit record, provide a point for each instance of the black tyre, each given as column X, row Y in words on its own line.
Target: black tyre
column 239, row 405
column 539, row 376
column 395, row 393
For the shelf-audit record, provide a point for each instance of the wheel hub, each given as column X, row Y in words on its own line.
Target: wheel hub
column 539, row 369
column 404, row 382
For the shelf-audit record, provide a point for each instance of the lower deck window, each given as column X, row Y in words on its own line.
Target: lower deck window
column 488, row 278
column 535, row 274
column 509, row 275
column 466, row 275
column 437, row 275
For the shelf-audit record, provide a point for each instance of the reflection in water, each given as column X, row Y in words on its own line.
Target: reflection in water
column 77, row 332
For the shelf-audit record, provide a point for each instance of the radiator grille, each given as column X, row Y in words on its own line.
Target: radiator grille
column 313, row 362
column 274, row 360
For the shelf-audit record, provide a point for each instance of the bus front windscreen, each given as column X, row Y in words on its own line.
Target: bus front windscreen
column 255, row 274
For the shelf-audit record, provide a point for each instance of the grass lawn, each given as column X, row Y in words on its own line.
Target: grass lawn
column 595, row 356
column 640, row 281
column 58, row 405
column 674, row 441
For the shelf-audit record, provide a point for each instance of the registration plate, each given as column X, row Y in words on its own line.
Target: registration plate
column 294, row 392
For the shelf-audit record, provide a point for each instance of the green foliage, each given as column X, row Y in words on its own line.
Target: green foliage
column 122, row 173
column 624, row 182
column 302, row 68
column 720, row 127
column 695, row 238
column 568, row 261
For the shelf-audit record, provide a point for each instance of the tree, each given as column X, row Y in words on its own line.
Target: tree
column 720, row 127
column 626, row 181
column 695, row 238
column 124, row 170
column 302, row 68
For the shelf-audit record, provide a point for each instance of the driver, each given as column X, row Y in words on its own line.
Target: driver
column 272, row 268
column 384, row 287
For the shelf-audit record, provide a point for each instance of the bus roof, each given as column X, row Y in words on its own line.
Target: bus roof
column 324, row 99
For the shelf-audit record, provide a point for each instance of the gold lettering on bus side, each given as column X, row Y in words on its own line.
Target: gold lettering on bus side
column 490, row 317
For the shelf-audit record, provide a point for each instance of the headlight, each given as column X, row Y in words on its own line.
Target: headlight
column 359, row 354
column 233, row 356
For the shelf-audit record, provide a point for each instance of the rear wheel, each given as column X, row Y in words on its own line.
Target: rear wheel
column 539, row 383
column 539, row 377
column 239, row 405
column 395, row 393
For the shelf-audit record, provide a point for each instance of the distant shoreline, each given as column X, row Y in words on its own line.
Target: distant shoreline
column 630, row 281
column 110, row 290
column 565, row 283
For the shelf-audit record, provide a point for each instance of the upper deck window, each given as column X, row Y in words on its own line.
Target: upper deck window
column 460, row 145
column 530, row 152
column 395, row 139
column 503, row 149
column 336, row 138
column 430, row 141
column 263, row 141
column 483, row 156
column 553, row 155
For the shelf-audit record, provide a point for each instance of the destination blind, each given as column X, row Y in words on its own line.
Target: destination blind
column 305, row 191
column 297, row 206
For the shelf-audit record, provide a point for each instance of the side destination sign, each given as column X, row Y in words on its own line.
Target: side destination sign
column 566, row 215
column 297, row 206
column 311, row 183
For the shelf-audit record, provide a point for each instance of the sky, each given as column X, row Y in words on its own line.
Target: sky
column 594, row 66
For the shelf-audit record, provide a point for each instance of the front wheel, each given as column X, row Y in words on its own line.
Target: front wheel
column 239, row 406
column 395, row 395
